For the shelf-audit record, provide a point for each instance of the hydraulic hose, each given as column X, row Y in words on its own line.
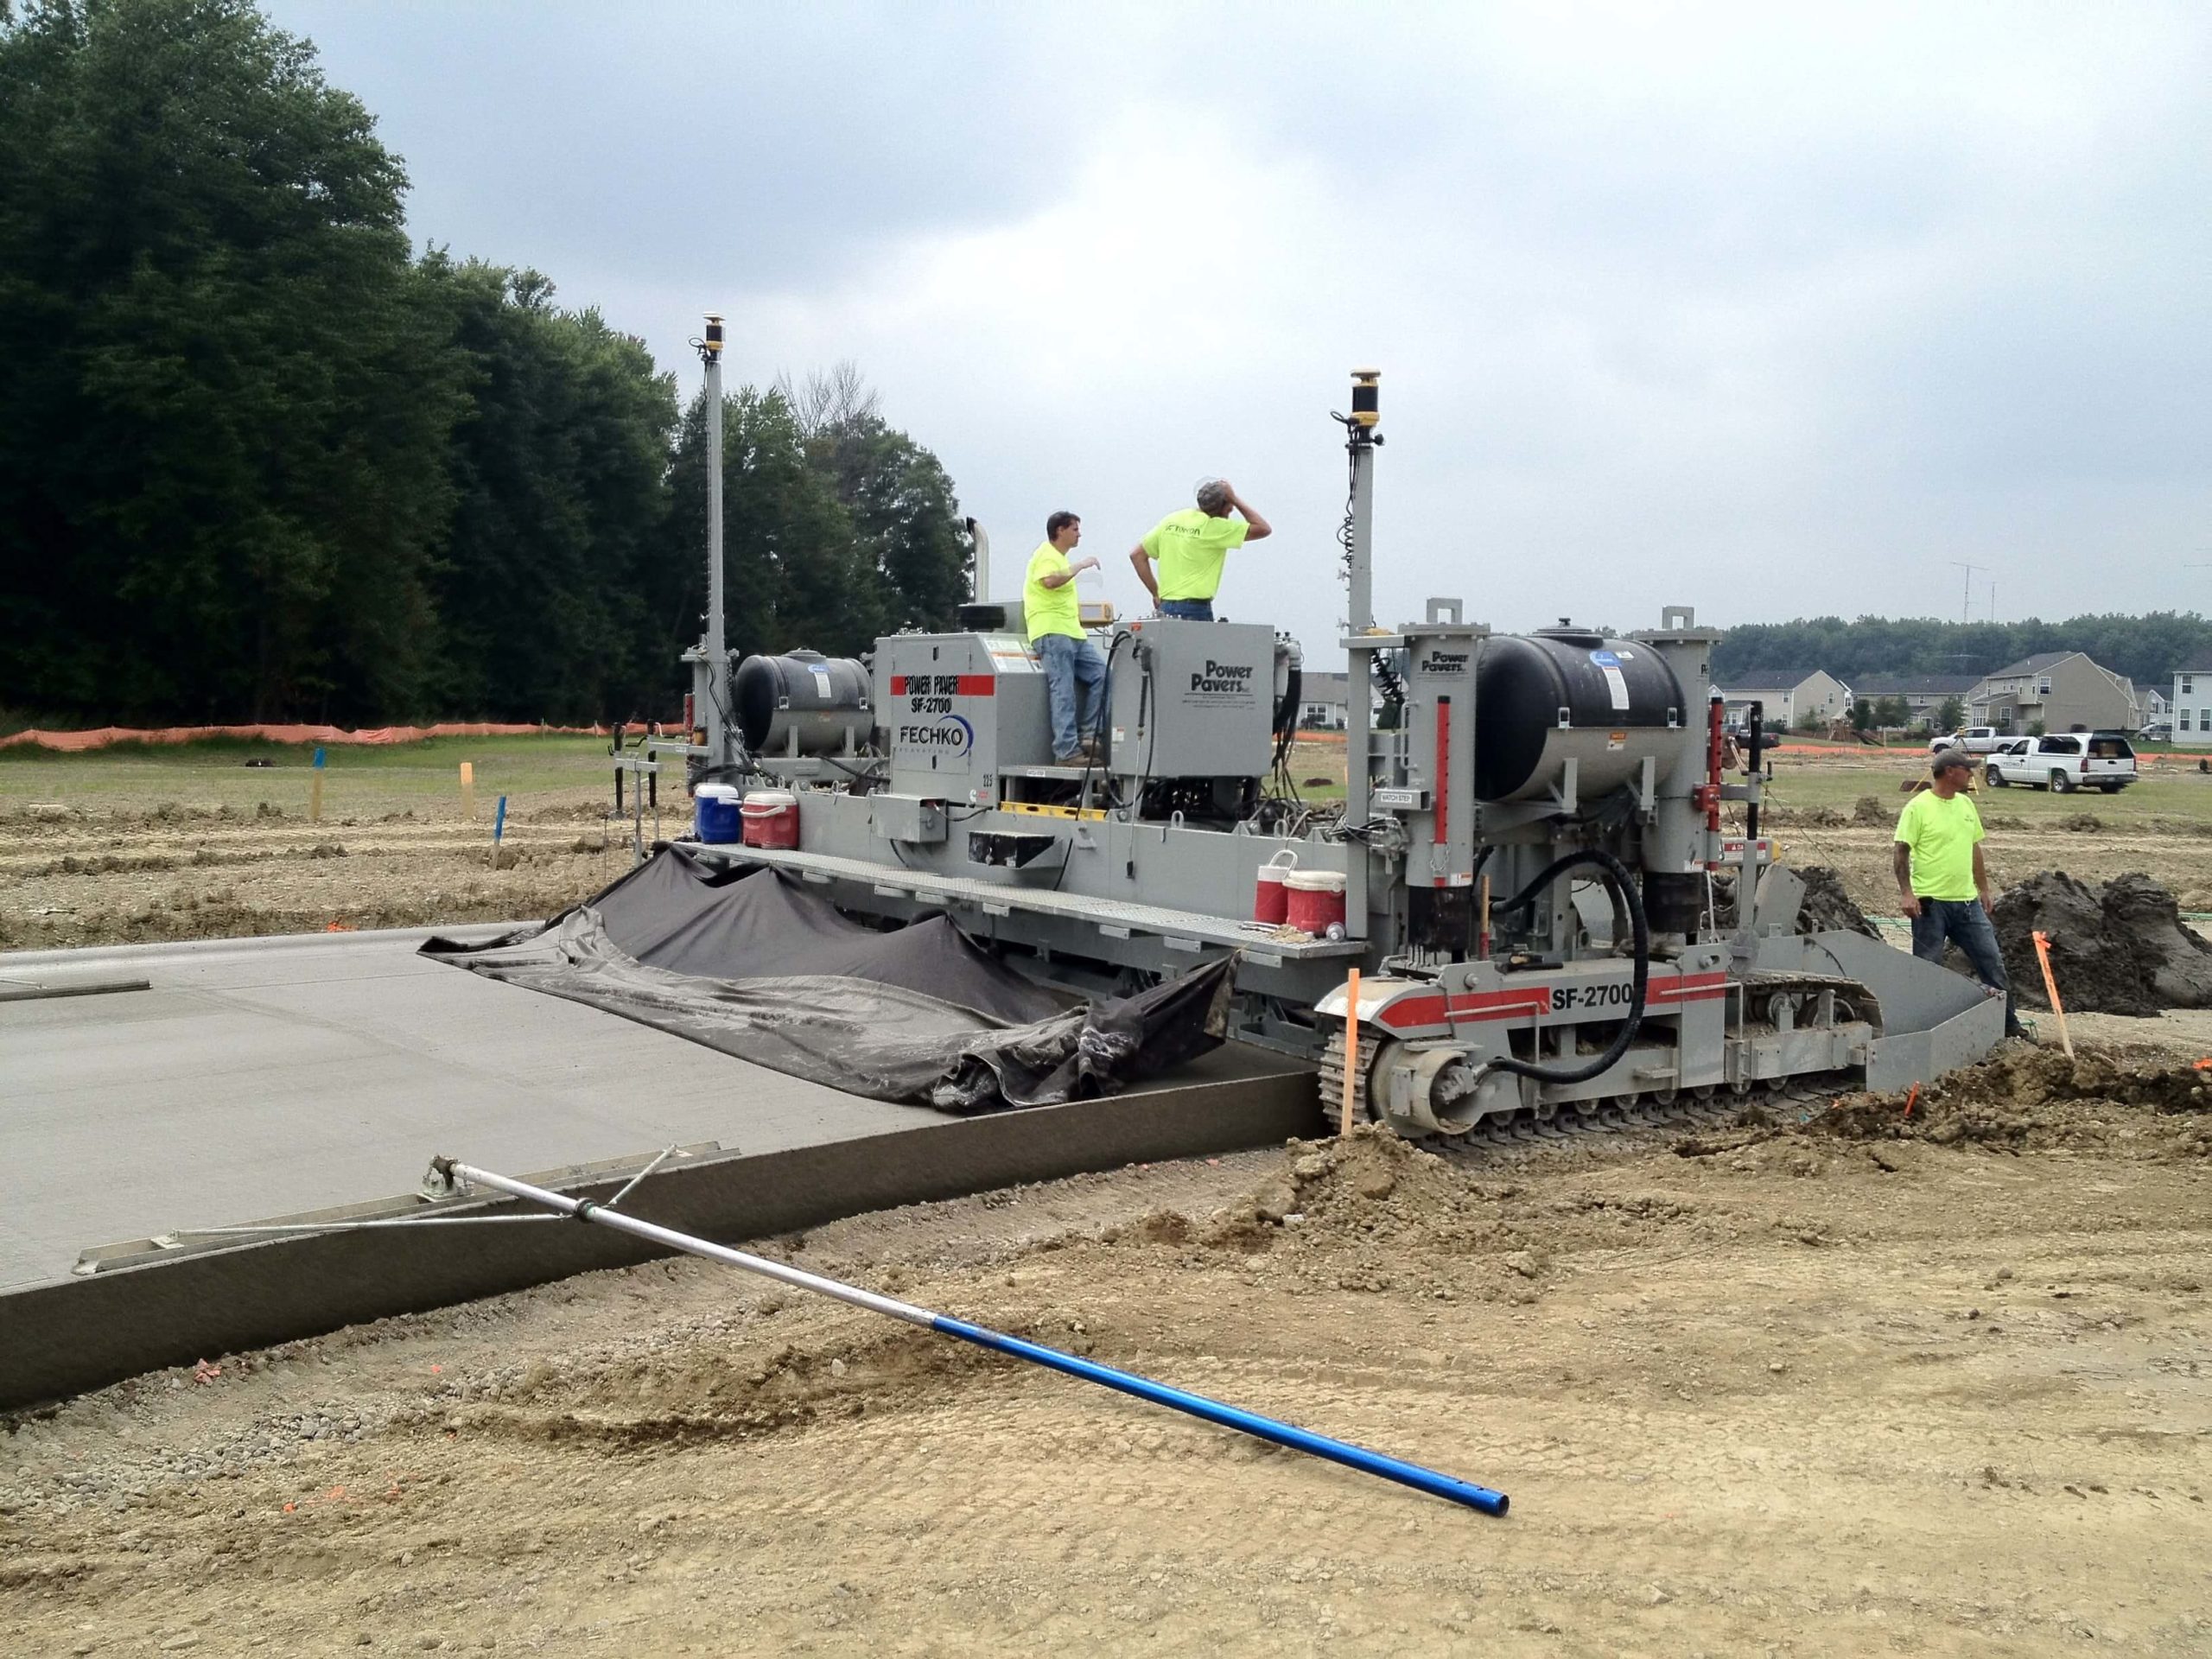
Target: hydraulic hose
column 1285, row 712
column 1616, row 876
column 1121, row 637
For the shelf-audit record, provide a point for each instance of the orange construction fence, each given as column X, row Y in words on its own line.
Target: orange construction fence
column 102, row 737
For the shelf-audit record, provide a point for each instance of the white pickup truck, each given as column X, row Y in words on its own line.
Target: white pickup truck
column 2064, row 762
column 1972, row 739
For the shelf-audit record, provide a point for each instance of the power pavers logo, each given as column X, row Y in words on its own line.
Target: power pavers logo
column 1223, row 679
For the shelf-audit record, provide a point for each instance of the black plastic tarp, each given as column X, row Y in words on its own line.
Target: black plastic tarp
column 754, row 964
column 696, row 916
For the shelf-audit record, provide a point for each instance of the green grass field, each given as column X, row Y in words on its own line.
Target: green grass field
column 357, row 781
column 2168, row 794
column 370, row 781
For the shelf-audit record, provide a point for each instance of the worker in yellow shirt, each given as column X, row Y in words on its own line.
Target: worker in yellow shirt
column 1943, row 884
column 1189, row 547
column 1074, row 674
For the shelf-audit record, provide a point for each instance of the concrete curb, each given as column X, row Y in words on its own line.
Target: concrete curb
column 62, row 1338
column 89, row 955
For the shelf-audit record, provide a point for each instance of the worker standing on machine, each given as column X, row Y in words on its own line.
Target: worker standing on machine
column 1074, row 674
column 1190, row 547
column 1942, row 882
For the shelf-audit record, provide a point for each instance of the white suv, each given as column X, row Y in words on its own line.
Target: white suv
column 2064, row 762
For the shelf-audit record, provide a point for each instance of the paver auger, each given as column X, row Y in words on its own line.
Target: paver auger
column 1525, row 870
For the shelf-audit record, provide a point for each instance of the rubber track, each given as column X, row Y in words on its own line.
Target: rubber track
column 1695, row 1109
column 1332, row 1077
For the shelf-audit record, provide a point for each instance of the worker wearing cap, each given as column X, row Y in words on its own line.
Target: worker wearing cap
column 1189, row 547
column 1941, row 881
column 1074, row 674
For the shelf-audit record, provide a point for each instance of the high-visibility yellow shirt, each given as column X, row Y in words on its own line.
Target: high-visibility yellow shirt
column 1941, row 835
column 1049, row 610
column 1189, row 547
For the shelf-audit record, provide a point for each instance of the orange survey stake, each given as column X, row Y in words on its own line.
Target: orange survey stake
column 2050, row 989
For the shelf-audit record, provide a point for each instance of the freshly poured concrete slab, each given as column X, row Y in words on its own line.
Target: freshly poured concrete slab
column 314, row 1072
column 255, row 1079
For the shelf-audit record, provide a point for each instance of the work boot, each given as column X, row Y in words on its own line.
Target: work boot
column 1094, row 748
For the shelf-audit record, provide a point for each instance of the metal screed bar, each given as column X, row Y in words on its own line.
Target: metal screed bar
column 1196, row 1405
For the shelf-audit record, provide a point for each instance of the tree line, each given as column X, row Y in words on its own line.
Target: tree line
column 261, row 460
column 2146, row 649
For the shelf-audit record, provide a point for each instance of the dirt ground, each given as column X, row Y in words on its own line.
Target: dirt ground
column 106, row 848
column 1863, row 1382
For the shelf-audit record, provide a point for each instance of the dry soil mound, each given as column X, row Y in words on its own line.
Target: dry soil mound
column 1826, row 905
column 2030, row 1099
column 2120, row 949
column 2181, row 968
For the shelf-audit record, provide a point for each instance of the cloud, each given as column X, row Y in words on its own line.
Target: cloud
column 1771, row 310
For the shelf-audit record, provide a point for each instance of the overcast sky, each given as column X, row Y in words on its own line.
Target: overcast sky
column 1771, row 310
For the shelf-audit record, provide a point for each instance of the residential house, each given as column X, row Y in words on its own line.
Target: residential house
column 1924, row 695
column 2060, row 690
column 1325, row 700
column 1788, row 696
column 2192, row 705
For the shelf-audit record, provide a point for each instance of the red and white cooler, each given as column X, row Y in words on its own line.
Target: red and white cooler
column 771, row 818
column 1317, row 900
column 1270, row 900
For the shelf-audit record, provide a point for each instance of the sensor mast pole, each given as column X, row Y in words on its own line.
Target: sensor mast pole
column 1361, row 441
column 716, row 714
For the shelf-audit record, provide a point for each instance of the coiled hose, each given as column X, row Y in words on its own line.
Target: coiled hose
column 1616, row 876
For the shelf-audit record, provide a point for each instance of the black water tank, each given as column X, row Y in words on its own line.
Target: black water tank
column 1618, row 700
column 822, row 701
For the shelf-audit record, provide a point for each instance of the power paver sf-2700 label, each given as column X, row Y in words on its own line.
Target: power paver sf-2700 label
column 926, row 723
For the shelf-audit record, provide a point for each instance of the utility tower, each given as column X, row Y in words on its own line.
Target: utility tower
column 1966, row 594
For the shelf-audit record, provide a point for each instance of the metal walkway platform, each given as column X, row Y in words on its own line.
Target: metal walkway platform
column 1184, row 930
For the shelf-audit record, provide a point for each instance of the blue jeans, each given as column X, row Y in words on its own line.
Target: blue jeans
column 1964, row 921
column 1190, row 610
column 1071, row 665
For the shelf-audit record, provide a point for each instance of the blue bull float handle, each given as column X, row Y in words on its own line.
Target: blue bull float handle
column 1431, row 1481
column 452, row 1172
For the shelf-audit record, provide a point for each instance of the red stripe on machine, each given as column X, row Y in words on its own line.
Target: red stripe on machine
column 1443, row 772
column 1432, row 1008
column 1689, row 988
column 964, row 685
column 1413, row 1013
column 1497, row 1005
